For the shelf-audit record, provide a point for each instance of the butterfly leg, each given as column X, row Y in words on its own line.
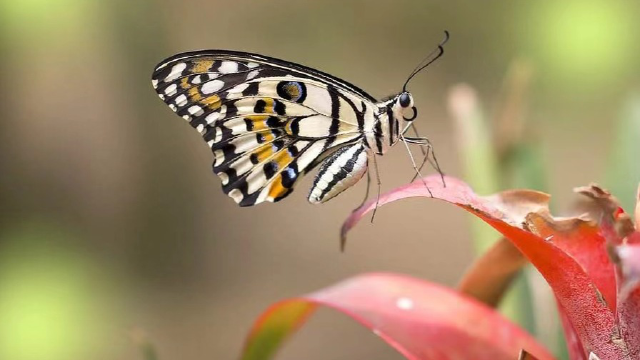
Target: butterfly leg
column 425, row 155
column 366, row 194
column 375, row 165
column 415, row 167
column 425, row 158
column 425, row 143
column 436, row 165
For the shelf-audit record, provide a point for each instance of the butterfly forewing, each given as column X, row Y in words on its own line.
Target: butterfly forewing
column 267, row 121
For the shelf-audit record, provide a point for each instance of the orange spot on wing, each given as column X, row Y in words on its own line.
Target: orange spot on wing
column 264, row 152
column 283, row 159
column 287, row 128
column 268, row 108
column 213, row 102
column 194, row 94
column 201, row 66
column 277, row 189
column 184, row 83
column 268, row 137
column 259, row 121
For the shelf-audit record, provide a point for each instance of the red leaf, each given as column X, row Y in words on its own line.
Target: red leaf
column 584, row 243
column 519, row 215
column 419, row 319
column 574, row 345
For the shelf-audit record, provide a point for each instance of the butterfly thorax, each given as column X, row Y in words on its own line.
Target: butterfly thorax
column 386, row 127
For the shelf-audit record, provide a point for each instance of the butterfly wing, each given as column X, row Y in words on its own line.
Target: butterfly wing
column 267, row 121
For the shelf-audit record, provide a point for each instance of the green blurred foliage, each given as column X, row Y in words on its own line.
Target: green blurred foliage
column 54, row 302
column 623, row 168
column 586, row 41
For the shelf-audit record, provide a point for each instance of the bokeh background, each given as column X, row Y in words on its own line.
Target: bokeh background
column 112, row 224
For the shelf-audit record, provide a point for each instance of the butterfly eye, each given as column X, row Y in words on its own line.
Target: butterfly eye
column 405, row 100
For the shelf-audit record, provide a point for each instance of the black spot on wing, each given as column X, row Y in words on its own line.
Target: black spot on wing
column 270, row 169
column 274, row 122
column 295, row 126
column 252, row 89
column 279, row 107
column 293, row 150
column 249, row 199
column 212, row 131
column 254, row 159
column 260, row 106
column 249, row 124
column 290, row 175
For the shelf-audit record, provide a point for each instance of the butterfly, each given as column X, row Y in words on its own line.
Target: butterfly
column 268, row 122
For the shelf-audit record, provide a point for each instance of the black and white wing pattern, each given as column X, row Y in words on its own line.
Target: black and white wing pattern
column 268, row 121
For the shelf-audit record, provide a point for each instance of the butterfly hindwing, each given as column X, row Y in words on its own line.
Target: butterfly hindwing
column 267, row 121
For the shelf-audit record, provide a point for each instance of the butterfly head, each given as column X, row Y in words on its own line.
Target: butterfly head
column 403, row 107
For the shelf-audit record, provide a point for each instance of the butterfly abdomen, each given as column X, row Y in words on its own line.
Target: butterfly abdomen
column 340, row 171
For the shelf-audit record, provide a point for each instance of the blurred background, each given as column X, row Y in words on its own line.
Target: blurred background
column 112, row 223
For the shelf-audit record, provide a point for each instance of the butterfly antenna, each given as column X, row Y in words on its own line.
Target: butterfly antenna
column 439, row 51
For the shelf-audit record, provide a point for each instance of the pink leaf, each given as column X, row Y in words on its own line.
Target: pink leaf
column 419, row 319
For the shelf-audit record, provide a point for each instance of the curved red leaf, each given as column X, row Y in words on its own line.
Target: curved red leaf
column 583, row 241
column 419, row 319
column 518, row 215
column 575, row 350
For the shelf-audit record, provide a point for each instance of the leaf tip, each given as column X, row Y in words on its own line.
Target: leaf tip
column 343, row 241
column 524, row 355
